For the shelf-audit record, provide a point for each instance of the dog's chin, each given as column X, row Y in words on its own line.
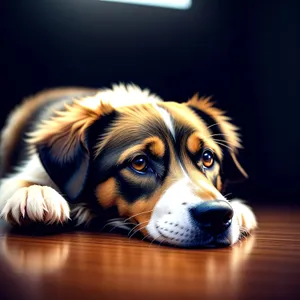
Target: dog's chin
column 196, row 238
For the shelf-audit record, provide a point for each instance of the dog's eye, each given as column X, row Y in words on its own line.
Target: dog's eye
column 208, row 158
column 140, row 163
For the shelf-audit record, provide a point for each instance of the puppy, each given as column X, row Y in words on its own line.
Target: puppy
column 124, row 156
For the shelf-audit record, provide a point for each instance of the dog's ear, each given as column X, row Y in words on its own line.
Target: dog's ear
column 225, row 135
column 232, row 170
column 63, row 147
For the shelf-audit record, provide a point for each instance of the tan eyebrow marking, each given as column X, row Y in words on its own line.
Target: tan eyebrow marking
column 154, row 144
column 194, row 144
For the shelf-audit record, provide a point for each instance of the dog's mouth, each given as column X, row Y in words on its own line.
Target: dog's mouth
column 208, row 242
column 180, row 235
column 188, row 238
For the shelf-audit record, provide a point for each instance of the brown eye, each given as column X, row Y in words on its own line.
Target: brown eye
column 139, row 163
column 208, row 158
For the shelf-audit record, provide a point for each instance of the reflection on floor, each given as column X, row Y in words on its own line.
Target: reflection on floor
column 94, row 266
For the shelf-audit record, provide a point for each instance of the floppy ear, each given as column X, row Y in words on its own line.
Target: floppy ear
column 232, row 170
column 62, row 145
column 225, row 135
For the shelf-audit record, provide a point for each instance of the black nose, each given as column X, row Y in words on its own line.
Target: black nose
column 213, row 216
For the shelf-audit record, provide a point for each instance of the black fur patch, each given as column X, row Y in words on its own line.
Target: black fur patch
column 132, row 192
column 209, row 121
column 71, row 173
column 228, row 169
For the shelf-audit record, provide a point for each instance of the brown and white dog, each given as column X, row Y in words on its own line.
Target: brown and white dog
column 123, row 156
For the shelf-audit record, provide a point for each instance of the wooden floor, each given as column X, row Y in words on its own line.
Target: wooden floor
column 97, row 266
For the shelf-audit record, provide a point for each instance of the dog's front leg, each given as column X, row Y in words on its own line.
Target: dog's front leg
column 30, row 196
column 34, row 203
column 244, row 215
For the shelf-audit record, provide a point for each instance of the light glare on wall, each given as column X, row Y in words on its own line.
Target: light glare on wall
column 176, row 4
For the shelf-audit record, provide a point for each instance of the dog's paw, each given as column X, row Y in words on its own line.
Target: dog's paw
column 244, row 215
column 36, row 204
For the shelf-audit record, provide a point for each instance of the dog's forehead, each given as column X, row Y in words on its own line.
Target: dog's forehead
column 184, row 118
column 169, row 121
column 168, row 118
column 141, row 121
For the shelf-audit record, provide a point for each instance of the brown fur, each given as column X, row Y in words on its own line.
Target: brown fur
column 20, row 116
column 106, row 193
column 68, row 127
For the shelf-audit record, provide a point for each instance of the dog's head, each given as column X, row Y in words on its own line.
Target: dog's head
column 161, row 164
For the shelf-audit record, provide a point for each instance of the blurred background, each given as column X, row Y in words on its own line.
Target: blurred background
column 244, row 53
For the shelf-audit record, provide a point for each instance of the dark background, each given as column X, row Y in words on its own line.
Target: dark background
column 245, row 53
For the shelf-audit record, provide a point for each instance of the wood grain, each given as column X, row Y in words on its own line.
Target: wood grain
column 103, row 266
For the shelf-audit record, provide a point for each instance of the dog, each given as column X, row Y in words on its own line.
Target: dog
column 123, row 156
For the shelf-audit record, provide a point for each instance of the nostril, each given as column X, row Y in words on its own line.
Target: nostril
column 213, row 216
column 227, row 218
column 227, row 223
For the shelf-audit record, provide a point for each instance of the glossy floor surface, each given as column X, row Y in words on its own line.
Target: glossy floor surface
column 97, row 266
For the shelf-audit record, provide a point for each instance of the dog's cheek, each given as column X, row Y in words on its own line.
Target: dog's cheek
column 106, row 193
column 140, row 211
column 244, row 215
column 235, row 231
column 219, row 183
column 215, row 178
column 134, row 188
column 123, row 207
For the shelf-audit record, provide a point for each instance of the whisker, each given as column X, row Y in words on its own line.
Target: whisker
column 120, row 224
column 116, row 219
column 113, row 220
column 107, row 224
column 215, row 124
column 144, row 212
column 161, row 242
column 247, row 233
column 223, row 141
column 153, row 241
column 137, row 226
column 137, row 231
column 244, row 232
column 119, row 227
column 145, row 237
column 226, row 146
column 227, row 195
column 218, row 134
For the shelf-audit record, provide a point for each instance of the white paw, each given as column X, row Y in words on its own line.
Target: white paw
column 37, row 204
column 244, row 215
